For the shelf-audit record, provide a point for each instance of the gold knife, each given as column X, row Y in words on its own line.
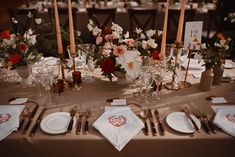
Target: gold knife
column 191, row 119
column 30, row 119
column 39, row 119
column 162, row 129
column 150, row 116
column 72, row 114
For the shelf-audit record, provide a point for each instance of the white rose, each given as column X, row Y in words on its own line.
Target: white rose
column 150, row 33
column 151, row 43
column 98, row 40
column 96, row 31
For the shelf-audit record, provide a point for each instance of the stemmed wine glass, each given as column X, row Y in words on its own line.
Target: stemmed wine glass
column 36, row 75
column 46, row 79
column 88, row 50
column 146, row 80
column 55, row 64
column 158, row 71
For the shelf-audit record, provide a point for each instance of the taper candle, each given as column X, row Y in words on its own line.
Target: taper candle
column 58, row 33
column 181, row 22
column 163, row 44
column 71, row 29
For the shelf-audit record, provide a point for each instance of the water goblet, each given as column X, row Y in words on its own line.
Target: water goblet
column 46, row 79
column 158, row 71
column 55, row 64
column 146, row 80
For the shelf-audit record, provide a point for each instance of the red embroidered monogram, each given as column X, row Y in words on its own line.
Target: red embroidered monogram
column 117, row 121
column 4, row 117
column 231, row 117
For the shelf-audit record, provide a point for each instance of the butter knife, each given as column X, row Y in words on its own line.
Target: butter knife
column 30, row 119
column 161, row 128
column 154, row 131
column 72, row 114
column 191, row 119
column 38, row 121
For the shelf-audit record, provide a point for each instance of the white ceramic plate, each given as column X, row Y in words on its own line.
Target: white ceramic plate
column 56, row 123
column 179, row 122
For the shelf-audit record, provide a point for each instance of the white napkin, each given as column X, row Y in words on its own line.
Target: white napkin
column 225, row 119
column 118, row 125
column 9, row 119
column 193, row 65
column 229, row 64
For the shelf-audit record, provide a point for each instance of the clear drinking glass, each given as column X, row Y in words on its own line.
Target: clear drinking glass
column 36, row 75
column 46, row 79
column 146, row 80
column 55, row 64
column 158, row 71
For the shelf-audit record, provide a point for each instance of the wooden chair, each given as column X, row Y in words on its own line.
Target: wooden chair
column 21, row 15
column 102, row 17
column 141, row 18
column 173, row 19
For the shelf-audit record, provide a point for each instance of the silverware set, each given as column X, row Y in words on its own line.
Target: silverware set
column 206, row 123
column 83, row 122
column 29, row 117
column 148, row 115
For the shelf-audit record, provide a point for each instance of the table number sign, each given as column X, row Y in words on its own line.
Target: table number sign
column 193, row 34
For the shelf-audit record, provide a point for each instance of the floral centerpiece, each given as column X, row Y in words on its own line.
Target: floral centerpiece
column 117, row 51
column 18, row 48
column 215, row 52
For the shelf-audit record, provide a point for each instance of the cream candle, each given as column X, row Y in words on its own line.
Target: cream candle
column 181, row 22
column 71, row 29
column 163, row 43
column 58, row 32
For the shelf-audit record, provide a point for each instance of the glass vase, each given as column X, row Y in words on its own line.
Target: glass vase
column 24, row 72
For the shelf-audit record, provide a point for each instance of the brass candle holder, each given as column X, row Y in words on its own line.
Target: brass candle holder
column 76, row 76
column 185, row 84
column 174, row 85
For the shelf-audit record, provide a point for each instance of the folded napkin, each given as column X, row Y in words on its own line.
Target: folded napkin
column 9, row 119
column 193, row 65
column 118, row 125
column 225, row 119
column 229, row 64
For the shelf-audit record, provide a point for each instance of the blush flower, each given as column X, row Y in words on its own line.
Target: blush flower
column 119, row 50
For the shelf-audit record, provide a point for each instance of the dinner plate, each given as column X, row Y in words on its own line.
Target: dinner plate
column 179, row 122
column 56, row 123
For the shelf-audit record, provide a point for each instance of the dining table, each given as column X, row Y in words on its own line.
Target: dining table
column 94, row 96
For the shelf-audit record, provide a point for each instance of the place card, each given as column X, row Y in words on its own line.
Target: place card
column 193, row 34
column 218, row 100
column 18, row 101
column 118, row 102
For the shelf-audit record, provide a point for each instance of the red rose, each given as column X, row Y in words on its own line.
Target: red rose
column 14, row 58
column 155, row 55
column 107, row 66
column 22, row 47
column 5, row 34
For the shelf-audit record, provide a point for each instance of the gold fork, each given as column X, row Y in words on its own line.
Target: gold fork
column 86, row 127
column 209, row 123
column 79, row 122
